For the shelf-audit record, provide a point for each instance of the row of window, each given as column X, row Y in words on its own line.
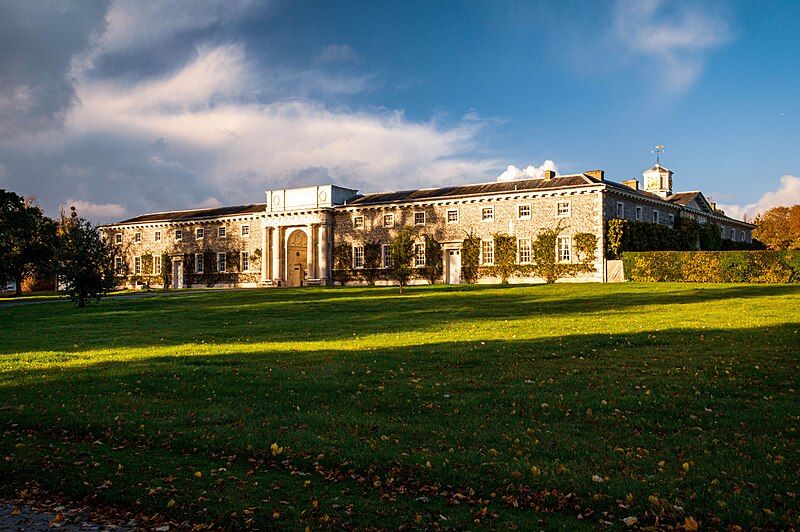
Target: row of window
column 199, row 263
column 199, row 234
column 563, row 210
column 656, row 216
column 524, row 253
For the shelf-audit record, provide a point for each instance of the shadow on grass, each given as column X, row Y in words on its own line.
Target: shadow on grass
column 478, row 412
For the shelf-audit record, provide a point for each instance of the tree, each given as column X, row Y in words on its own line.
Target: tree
column 779, row 227
column 505, row 256
column 434, row 263
column 402, row 250
column 372, row 262
column 84, row 261
column 470, row 258
column 27, row 240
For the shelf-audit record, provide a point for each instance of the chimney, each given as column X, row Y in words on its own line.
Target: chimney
column 549, row 174
column 631, row 183
column 597, row 174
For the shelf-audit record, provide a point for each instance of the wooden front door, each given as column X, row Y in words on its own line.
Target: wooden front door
column 453, row 266
column 296, row 253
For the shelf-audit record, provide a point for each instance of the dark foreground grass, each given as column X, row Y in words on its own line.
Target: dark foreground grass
column 537, row 407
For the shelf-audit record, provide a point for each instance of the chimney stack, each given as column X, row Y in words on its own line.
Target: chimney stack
column 631, row 183
column 549, row 174
column 600, row 175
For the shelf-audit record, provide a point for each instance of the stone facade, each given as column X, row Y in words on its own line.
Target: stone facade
column 289, row 240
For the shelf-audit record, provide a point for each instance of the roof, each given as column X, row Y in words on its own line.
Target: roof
column 197, row 214
column 480, row 189
column 683, row 198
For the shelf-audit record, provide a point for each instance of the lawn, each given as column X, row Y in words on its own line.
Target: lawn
column 558, row 406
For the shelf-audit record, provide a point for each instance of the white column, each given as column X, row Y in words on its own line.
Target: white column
column 264, row 252
column 310, row 273
column 277, row 242
column 324, row 259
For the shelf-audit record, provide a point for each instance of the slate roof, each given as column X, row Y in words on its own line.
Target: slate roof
column 683, row 198
column 401, row 196
column 197, row 214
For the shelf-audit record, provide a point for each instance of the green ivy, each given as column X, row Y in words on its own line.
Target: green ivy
column 713, row 266
column 470, row 257
column 434, row 262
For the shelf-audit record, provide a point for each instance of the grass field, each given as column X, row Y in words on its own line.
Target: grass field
column 560, row 406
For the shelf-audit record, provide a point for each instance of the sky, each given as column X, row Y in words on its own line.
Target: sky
column 125, row 107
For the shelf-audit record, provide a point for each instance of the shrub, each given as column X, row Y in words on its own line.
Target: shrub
column 470, row 257
column 372, row 262
column 402, row 250
column 713, row 266
column 505, row 257
column 434, row 263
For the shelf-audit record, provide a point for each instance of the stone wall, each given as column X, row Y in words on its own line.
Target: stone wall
column 585, row 216
column 168, row 248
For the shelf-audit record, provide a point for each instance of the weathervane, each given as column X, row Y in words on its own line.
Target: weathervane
column 658, row 151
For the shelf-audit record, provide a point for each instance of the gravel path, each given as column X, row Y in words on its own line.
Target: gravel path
column 22, row 517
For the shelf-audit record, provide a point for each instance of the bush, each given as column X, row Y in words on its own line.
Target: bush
column 713, row 266
column 505, row 257
column 372, row 262
column 434, row 263
column 470, row 256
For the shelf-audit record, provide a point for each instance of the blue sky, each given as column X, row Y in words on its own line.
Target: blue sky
column 125, row 107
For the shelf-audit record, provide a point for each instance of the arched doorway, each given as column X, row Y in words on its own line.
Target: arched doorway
column 296, row 253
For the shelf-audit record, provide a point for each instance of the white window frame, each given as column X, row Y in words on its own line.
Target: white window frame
column 487, row 249
column 119, row 266
column 620, row 210
column 419, row 213
column 199, row 263
column 638, row 214
column 566, row 212
column 358, row 257
column 222, row 232
column 455, row 211
column 742, row 236
column 157, row 236
column 137, row 265
column 358, row 222
column 419, row 254
column 528, row 250
column 671, row 218
column 156, row 264
column 733, row 234
column 118, row 238
column 178, row 235
column 564, row 252
column 137, row 237
column 521, row 216
column 245, row 260
column 487, row 214
column 386, row 256
column 246, row 231
column 199, row 233
column 656, row 216
column 222, row 259
column 390, row 217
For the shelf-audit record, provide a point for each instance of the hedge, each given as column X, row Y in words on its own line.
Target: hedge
column 713, row 266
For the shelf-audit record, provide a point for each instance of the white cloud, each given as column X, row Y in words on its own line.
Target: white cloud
column 675, row 38
column 98, row 212
column 788, row 194
column 513, row 173
column 338, row 53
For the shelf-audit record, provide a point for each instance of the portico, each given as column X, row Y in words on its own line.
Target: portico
column 297, row 235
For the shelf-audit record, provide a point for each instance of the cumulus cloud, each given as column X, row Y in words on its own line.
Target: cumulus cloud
column 210, row 125
column 676, row 37
column 513, row 173
column 338, row 53
column 787, row 194
column 98, row 212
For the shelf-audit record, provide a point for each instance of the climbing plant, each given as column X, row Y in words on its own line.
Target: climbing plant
column 470, row 256
column 434, row 266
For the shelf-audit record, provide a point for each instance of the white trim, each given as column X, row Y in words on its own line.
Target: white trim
column 387, row 216
column 117, row 238
column 178, row 235
column 424, row 218
column 620, row 212
column 360, row 247
column 357, row 226
column 242, row 230
column 568, row 212
column 447, row 216
column 137, row 265
column 224, row 256
column 156, row 236
column 137, row 237
column 490, row 211
column 199, row 260
column 417, row 262
column 529, row 250
column 386, row 253
column 199, row 233
column 483, row 261
column 222, row 232
column 524, row 216
column 244, row 256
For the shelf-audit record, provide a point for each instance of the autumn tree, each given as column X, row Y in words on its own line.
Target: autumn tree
column 84, row 261
column 779, row 227
column 27, row 240
column 402, row 251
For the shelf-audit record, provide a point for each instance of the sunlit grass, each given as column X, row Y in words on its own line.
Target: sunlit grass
column 495, row 404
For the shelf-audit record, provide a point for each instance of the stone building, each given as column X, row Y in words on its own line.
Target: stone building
column 289, row 239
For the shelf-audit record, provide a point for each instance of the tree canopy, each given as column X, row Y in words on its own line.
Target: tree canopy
column 779, row 227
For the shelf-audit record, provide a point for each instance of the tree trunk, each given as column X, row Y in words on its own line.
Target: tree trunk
column 18, row 282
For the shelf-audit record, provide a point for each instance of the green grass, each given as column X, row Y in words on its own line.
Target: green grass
column 446, row 407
